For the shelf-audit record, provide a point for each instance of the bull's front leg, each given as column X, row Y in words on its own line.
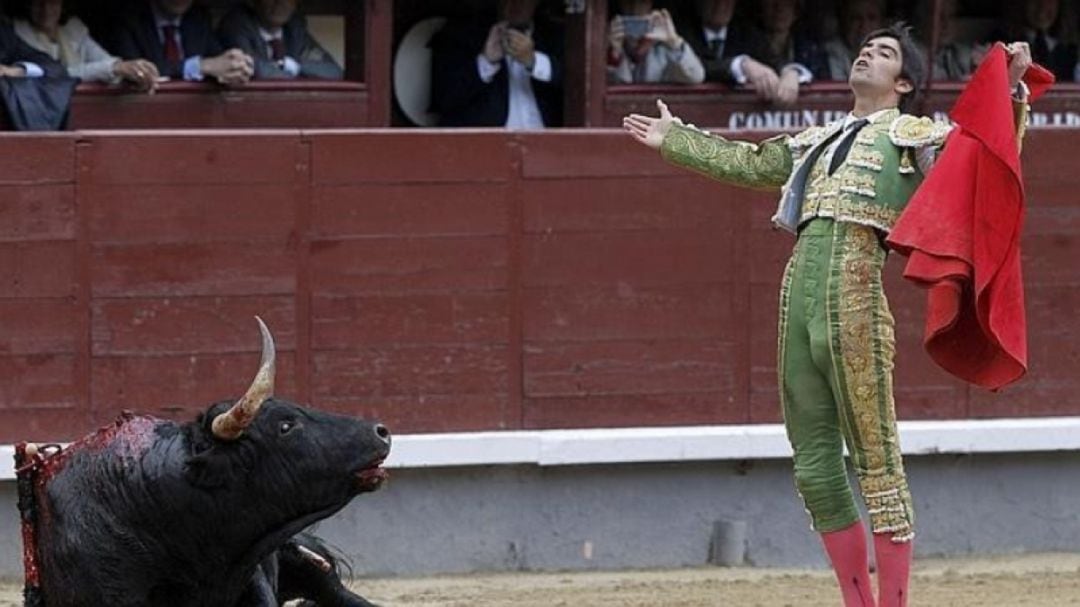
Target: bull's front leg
column 308, row 571
column 261, row 590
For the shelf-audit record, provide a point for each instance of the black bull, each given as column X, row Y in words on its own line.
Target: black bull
column 147, row 512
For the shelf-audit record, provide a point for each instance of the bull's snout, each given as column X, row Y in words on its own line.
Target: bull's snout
column 383, row 433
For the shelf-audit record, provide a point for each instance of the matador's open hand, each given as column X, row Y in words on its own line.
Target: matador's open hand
column 648, row 130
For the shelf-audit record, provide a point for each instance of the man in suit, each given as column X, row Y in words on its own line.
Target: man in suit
column 179, row 39
column 504, row 74
column 766, row 57
column 276, row 36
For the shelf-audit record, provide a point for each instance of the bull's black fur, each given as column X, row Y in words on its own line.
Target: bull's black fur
column 179, row 518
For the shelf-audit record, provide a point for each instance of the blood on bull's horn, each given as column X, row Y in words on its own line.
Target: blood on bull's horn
column 230, row 425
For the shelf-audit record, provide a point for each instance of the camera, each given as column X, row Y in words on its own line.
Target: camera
column 636, row 26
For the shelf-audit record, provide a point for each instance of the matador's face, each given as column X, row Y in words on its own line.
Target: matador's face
column 877, row 70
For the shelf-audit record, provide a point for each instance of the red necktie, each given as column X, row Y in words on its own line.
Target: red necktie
column 172, row 47
column 277, row 49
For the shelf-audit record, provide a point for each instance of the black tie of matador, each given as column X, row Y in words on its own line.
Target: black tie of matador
column 842, row 148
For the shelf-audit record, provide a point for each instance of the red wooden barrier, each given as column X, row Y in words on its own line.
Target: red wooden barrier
column 442, row 281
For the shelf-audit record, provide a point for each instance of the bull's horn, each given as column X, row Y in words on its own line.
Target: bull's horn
column 230, row 425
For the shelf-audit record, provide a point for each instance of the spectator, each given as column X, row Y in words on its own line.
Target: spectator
column 644, row 46
column 276, row 35
column 507, row 73
column 1049, row 27
column 710, row 34
column 20, row 60
column 955, row 59
column 857, row 19
column 44, row 25
column 777, row 60
column 35, row 90
column 179, row 40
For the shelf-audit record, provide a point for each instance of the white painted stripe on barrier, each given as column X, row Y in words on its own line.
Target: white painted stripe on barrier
column 696, row 443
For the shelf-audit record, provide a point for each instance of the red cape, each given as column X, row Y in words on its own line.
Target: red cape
column 961, row 232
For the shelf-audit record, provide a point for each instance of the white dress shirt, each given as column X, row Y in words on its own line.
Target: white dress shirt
column 524, row 112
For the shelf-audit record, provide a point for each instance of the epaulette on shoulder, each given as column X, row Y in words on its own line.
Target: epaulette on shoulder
column 915, row 132
column 807, row 138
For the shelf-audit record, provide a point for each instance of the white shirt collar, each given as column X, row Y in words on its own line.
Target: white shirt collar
column 162, row 20
column 872, row 118
column 715, row 34
column 267, row 35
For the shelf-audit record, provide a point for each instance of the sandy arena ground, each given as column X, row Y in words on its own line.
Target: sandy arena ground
column 1048, row 580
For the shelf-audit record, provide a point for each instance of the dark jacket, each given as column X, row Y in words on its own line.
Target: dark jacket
column 33, row 104
column 744, row 38
column 137, row 37
column 240, row 29
column 13, row 50
column 461, row 98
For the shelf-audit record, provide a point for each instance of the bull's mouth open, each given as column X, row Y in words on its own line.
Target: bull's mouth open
column 372, row 477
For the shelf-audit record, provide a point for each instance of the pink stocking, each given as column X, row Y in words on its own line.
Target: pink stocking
column 847, row 551
column 894, row 570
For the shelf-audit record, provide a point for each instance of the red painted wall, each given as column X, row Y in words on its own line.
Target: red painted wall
column 442, row 281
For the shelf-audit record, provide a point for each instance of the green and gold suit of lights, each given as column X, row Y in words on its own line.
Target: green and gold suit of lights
column 836, row 334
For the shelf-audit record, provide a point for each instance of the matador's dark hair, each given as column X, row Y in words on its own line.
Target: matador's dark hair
column 913, row 64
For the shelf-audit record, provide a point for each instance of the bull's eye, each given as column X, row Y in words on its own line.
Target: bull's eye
column 286, row 427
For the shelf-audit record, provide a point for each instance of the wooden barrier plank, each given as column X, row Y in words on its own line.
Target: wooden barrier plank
column 37, row 269
column 164, row 158
column 37, row 326
column 38, row 158
column 629, row 203
column 638, row 258
column 342, row 323
column 38, row 399
column 589, row 153
column 173, row 269
column 375, row 372
column 420, row 157
column 432, row 413
column 37, row 212
column 347, row 267
column 198, row 325
column 451, row 209
column 630, row 366
column 174, row 213
column 178, row 387
column 631, row 410
column 606, row 312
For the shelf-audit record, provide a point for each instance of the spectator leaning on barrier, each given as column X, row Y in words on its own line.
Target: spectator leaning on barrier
column 507, row 73
column 35, row 90
column 1049, row 27
column 20, row 60
column 710, row 32
column 644, row 46
column 179, row 39
column 955, row 59
column 778, row 61
column 857, row 19
column 44, row 25
column 276, row 36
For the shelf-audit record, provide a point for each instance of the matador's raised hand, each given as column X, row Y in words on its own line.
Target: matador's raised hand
column 648, row 130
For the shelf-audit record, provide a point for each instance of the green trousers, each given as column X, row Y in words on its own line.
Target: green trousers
column 835, row 363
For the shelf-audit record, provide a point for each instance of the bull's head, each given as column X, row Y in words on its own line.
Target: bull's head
column 303, row 460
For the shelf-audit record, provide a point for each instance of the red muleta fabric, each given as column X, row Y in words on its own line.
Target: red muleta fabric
column 961, row 233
